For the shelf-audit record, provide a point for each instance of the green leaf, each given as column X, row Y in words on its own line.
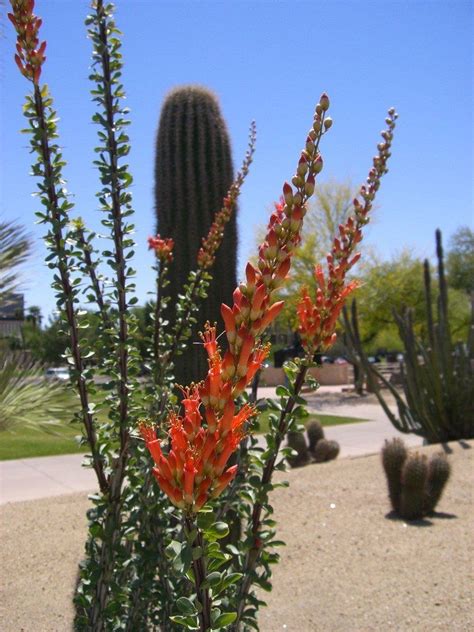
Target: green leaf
column 189, row 622
column 185, row 606
column 217, row 530
column 226, row 618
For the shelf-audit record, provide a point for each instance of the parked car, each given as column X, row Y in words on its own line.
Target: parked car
column 57, row 373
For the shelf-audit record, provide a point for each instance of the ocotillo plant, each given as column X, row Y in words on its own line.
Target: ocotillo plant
column 438, row 376
column 151, row 564
column 415, row 483
column 193, row 172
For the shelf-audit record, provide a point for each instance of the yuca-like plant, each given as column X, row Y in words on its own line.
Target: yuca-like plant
column 415, row 483
column 153, row 558
column 26, row 396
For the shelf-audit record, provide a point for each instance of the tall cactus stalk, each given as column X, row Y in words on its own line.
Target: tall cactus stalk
column 438, row 376
column 193, row 172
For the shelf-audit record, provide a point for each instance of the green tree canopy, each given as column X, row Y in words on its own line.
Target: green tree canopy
column 397, row 284
column 460, row 260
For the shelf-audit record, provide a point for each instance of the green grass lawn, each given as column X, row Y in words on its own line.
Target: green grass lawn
column 326, row 420
column 24, row 442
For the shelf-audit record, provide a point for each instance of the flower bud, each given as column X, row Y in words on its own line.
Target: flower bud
column 318, row 164
column 309, row 185
column 302, row 166
column 327, row 123
column 288, row 193
column 324, row 102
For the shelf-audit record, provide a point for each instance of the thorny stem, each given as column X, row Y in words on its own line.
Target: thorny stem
column 199, row 571
column 71, row 316
column 90, row 269
column 117, row 231
column 113, row 518
column 254, row 554
column 156, row 329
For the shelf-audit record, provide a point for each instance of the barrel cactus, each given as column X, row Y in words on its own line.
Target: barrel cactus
column 415, row 483
column 439, row 471
column 297, row 441
column 325, row 450
column 315, row 433
column 193, row 172
column 394, row 455
column 414, row 475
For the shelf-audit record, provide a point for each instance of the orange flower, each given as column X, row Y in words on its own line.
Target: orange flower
column 163, row 247
column 30, row 53
column 199, row 452
column 194, row 470
column 317, row 318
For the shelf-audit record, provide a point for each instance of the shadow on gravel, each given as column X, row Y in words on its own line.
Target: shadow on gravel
column 421, row 522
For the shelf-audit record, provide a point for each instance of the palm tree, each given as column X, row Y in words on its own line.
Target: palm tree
column 14, row 250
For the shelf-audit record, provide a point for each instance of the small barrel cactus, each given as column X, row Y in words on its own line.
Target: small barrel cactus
column 315, row 433
column 325, row 450
column 414, row 476
column 394, row 455
column 415, row 484
column 439, row 471
column 297, row 441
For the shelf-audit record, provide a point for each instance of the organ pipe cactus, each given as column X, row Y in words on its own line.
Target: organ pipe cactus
column 193, row 172
column 437, row 375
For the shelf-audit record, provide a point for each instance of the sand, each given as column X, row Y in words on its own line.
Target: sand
column 348, row 565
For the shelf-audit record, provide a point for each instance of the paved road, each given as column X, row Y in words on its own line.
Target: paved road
column 42, row 477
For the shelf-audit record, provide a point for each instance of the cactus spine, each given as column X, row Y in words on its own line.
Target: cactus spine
column 193, row 172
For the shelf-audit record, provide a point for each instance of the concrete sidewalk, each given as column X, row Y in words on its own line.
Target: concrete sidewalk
column 42, row 477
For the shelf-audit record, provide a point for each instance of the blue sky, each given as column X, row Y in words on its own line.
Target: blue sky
column 268, row 61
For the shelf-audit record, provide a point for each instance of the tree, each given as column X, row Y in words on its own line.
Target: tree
column 395, row 285
column 460, row 260
column 14, row 250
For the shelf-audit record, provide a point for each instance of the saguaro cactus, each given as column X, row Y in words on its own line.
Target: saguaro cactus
column 193, row 172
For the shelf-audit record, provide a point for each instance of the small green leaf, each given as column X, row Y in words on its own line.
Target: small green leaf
column 226, row 618
column 185, row 606
column 217, row 530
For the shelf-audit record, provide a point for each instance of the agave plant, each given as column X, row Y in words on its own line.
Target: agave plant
column 26, row 397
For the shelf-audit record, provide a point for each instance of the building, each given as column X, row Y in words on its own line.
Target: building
column 12, row 315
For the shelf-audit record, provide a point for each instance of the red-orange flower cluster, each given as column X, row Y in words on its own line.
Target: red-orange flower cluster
column 163, row 247
column 318, row 318
column 30, row 53
column 197, row 473
column 194, row 470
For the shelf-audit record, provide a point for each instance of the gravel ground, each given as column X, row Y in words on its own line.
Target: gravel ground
column 348, row 566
